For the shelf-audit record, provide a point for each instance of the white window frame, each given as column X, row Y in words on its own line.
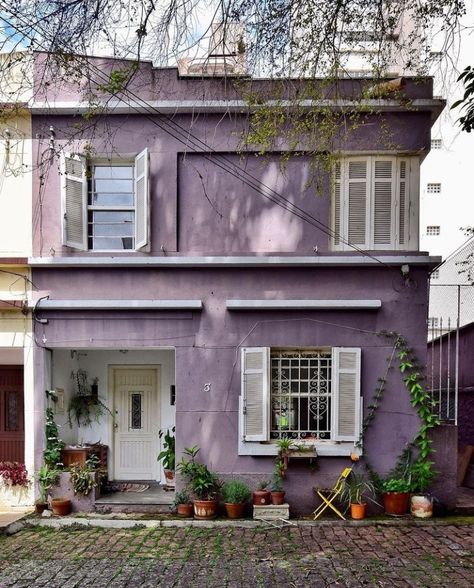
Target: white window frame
column 406, row 239
column 341, row 442
column 77, row 223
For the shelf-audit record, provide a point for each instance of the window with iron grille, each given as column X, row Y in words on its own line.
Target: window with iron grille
column 433, row 322
column 301, row 394
column 435, row 274
column 433, row 230
column 433, row 188
column 436, row 143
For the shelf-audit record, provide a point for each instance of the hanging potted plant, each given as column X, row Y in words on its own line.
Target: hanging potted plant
column 85, row 406
column 203, row 483
column 236, row 494
column 354, row 490
column 168, row 457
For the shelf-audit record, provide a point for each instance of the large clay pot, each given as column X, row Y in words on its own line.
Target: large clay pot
column 358, row 511
column 278, row 497
column 185, row 510
column 396, row 503
column 205, row 509
column 234, row 510
column 261, row 497
column 421, row 506
column 61, row 506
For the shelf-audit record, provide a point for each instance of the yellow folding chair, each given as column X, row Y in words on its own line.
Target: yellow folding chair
column 329, row 495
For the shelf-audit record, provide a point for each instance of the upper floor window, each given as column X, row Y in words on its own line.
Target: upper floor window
column 375, row 203
column 105, row 203
column 433, row 230
column 433, row 188
column 436, row 144
column 435, row 274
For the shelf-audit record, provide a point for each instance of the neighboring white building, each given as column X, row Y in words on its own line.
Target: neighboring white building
column 447, row 173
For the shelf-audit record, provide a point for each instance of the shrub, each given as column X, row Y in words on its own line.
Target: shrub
column 396, row 485
column 236, row 492
column 14, row 473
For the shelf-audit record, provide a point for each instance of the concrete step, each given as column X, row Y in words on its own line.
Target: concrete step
column 130, row 508
column 469, row 477
column 464, row 501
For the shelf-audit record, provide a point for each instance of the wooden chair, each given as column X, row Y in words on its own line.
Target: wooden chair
column 329, row 495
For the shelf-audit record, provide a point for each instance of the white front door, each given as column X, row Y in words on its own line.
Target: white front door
column 137, row 421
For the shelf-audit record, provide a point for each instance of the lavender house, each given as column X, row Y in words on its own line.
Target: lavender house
column 221, row 292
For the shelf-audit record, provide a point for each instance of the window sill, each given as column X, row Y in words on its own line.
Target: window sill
column 323, row 449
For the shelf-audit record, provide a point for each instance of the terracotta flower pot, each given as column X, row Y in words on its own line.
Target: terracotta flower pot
column 40, row 507
column 396, row 503
column 278, row 497
column 421, row 506
column 234, row 510
column 205, row 509
column 261, row 497
column 185, row 510
column 61, row 506
column 358, row 511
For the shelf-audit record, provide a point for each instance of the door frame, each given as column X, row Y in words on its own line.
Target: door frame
column 112, row 369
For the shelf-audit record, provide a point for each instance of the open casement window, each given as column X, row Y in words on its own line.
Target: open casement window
column 307, row 395
column 375, row 203
column 106, row 203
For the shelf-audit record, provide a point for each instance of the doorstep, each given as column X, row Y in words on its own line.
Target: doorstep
column 9, row 517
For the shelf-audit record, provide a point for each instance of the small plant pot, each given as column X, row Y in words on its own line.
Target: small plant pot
column 278, row 497
column 40, row 507
column 396, row 503
column 358, row 511
column 234, row 510
column 205, row 509
column 170, row 479
column 61, row 506
column 185, row 510
column 421, row 506
column 261, row 497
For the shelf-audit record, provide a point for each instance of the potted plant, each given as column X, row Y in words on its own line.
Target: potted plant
column 421, row 476
column 277, row 494
column 354, row 490
column 85, row 406
column 168, row 457
column 47, row 477
column 235, row 494
column 396, row 496
column 86, row 477
column 261, row 495
column 61, row 506
column 183, row 505
column 203, row 483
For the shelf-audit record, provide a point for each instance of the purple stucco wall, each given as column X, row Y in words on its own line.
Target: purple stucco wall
column 197, row 208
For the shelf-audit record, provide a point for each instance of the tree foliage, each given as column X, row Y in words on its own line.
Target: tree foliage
column 467, row 101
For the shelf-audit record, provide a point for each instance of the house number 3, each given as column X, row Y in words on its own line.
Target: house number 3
column 207, row 387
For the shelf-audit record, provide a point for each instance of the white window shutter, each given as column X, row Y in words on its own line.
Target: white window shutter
column 345, row 395
column 358, row 202
column 74, row 201
column 142, row 199
column 337, row 204
column 255, row 405
column 383, row 182
column 402, row 197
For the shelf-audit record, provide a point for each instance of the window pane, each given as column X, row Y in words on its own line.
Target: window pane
column 117, row 172
column 300, row 394
column 111, row 243
column 112, row 199
column 113, row 185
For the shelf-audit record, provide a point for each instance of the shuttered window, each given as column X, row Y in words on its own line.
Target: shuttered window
column 302, row 394
column 374, row 203
column 105, row 204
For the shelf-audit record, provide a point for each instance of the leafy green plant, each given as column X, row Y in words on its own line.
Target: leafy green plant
column 85, row 407
column 181, row 497
column 168, row 455
column 236, row 492
column 52, row 452
column 204, row 484
column 396, row 485
column 355, row 488
column 263, row 484
column 47, row 477
column 87, row 476
column 276, row 483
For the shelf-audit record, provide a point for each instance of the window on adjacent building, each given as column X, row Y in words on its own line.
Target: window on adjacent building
column 105, row 203
column 433, row 188
column 372, row 203
column 434, row 274
column 436, row 144
column 302, row 394
column 433, row 230
column 433, row 322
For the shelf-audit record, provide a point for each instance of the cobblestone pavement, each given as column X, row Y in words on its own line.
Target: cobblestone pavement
column 234, row 557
